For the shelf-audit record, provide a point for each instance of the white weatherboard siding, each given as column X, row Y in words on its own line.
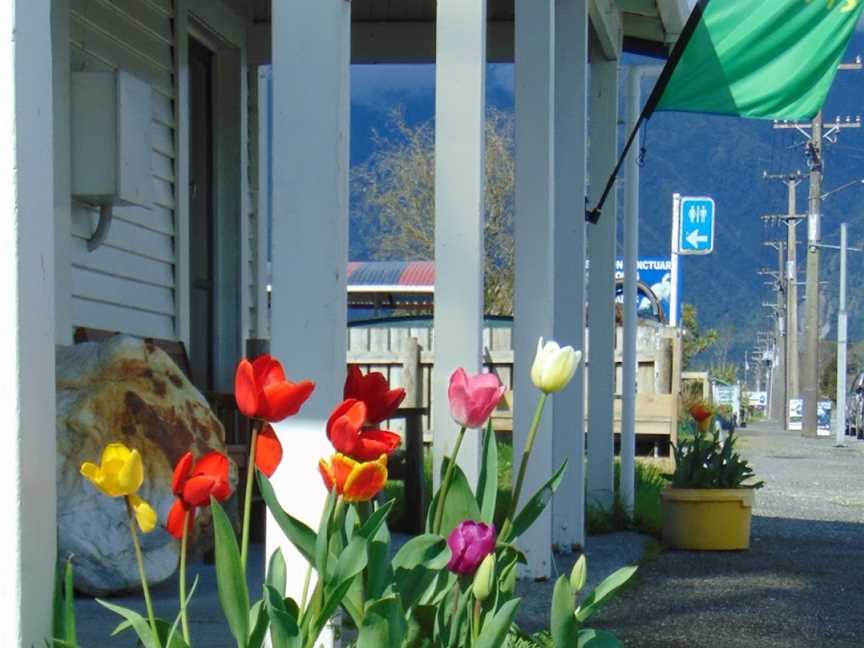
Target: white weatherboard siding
column 128, row 283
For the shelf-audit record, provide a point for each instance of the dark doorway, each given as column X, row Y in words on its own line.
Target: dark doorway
column 202, row 240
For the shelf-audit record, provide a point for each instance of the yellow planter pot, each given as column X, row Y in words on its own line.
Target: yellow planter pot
column 707, row 519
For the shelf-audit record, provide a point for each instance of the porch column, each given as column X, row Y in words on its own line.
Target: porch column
column 629, row 359
column 460, row 107
column 311, row 58
column 28, row 548
column 550, row 253
column 601, row 282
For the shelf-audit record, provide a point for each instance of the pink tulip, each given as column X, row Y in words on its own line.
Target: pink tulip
column 472, row 398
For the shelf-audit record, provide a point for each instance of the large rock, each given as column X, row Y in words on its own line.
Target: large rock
column 126, row 390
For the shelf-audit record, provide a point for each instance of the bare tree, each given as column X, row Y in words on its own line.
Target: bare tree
column 396, row 190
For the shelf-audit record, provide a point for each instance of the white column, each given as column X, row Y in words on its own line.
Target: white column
column 460, row 106
column 601, row 282
column 568, row 269
column 62, row 172
column 311, row 59
column 549, row 231
column 842, row 343
column 27, row 395
column 631, row 302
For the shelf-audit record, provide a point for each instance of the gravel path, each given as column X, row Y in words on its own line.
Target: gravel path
column 802, row 582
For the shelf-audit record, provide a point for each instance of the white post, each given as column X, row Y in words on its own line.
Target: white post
column 62, row 172
column 673, row 251
column 631, row 301
column 311, row 62
column 567, row 268
column 460, row 115
column 601, row 283
column 550, row 255
column 27, row 395
column 840, row 418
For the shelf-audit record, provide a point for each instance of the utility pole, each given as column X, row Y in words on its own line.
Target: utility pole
column 810, row 365
column 791, row 219
column 779, row 366
column 810, row 376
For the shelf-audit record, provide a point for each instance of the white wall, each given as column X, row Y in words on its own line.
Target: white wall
column 128, row 283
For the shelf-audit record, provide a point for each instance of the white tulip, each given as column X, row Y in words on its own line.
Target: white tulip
column 554, row 366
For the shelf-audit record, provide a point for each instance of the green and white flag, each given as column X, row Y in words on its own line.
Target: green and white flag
column 770, row 59
column 767, row 59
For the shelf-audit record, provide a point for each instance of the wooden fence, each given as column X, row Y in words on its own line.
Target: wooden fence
column 391, row 350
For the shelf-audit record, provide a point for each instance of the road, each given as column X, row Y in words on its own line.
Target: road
column 800, row 584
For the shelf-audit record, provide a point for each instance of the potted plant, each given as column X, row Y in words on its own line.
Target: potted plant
column 708, row 504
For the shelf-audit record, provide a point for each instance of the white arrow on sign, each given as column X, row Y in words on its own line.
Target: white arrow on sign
column 694, row 238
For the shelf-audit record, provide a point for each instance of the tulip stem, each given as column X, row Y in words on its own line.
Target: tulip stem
column 142, row 575
column 445, row 485
column 247, row 498
column 523, row 466
column 184, row 620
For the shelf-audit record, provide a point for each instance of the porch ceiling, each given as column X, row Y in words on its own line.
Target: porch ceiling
column 402, row 31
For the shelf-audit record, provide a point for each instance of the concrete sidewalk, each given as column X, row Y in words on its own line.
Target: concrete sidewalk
column 605, row 553
column 802, row 582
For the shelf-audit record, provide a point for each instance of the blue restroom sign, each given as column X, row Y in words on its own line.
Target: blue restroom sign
column 696, row 230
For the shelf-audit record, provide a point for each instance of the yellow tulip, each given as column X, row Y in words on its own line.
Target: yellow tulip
column 554, row 366
column 120, row 474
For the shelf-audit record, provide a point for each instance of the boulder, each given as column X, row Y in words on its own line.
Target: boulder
column 123, row 390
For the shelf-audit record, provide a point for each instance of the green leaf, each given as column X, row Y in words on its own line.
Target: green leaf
column 596, row 639
column 563, row 623
column 231, row 579
column 137, row 622
column 383, row 625
column 331, row 603
column 428, row 549
column 371, row 526
column 487, row 482
column 604, row 591
column 277, row 572
column 495, row 630
column 461, row 504
column 379, row 573
column 536, row 505
column 64, row 605
column 259, row 622
column 300, row 535
column 417, row 566
column 283, row 622
column 352, row 560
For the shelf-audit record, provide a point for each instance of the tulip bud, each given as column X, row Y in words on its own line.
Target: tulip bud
column 484, row 579
column 553, row 366
column 578, row 575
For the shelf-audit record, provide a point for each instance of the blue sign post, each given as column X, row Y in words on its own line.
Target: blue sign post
column 696, row 231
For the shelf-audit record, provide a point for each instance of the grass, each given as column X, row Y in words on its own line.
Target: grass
column 646, row 517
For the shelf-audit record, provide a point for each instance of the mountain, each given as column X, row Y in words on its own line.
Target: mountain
column 695, row 154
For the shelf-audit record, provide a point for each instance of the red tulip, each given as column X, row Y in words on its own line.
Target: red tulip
column 472, row 398
column 262, row 391
column 374, row 390
column 193, row 483
column 268, row 451
column 347, row 433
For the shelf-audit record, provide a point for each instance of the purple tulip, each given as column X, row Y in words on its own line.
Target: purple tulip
column 470, row 543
